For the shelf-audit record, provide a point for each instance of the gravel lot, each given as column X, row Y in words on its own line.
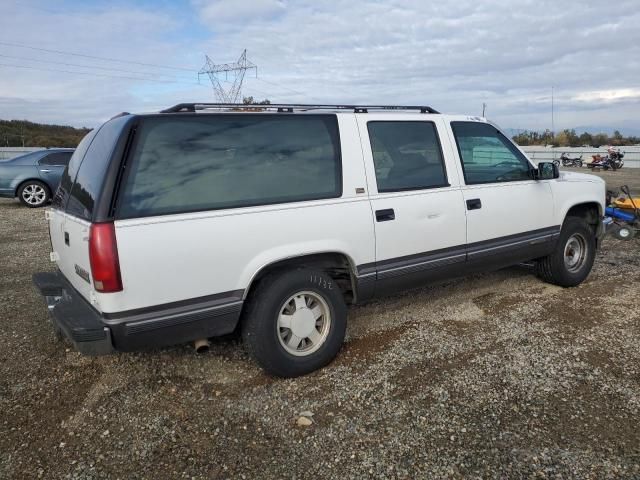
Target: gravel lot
column 494, row 376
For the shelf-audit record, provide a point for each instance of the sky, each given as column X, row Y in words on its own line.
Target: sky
column 452, row 55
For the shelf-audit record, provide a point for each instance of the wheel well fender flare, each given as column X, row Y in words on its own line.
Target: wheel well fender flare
column 592, row 211
column 331, row 261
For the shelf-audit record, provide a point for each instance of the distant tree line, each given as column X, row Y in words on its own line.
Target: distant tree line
column 251, row 100
column 20, row 133
column 569, row 138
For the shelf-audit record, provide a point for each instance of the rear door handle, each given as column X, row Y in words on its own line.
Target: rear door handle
column 44, row 170
column 385, row 215
column 474, row 204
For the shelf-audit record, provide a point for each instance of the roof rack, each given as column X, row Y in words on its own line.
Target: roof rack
column 290, row 107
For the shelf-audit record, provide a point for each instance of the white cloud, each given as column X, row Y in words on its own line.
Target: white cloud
column 609, row 95
column 221, row 12
column 453, row 55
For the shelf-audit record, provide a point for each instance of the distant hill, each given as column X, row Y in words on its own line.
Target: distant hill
column 18, row 133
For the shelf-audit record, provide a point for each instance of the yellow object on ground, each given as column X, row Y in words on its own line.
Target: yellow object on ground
column 626, row 203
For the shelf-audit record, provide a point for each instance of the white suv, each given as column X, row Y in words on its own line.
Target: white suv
column 192, row 222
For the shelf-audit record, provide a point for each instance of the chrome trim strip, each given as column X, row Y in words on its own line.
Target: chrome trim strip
column 533, row 241
column 426, row 262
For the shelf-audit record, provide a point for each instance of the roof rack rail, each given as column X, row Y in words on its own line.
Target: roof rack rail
column 290, row 107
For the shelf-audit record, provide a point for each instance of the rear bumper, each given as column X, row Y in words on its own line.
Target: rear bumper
column 93, row 333
column 73, row 316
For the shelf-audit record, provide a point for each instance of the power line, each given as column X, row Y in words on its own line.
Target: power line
column 237, row 71
column 62, row 52
column 115, row 76
column 281, row 86
column 83, row 66
column 95, row 57
column 97, row 74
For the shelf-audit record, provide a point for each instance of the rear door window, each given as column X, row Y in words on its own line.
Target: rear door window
column 406, row 155
column 207, row 162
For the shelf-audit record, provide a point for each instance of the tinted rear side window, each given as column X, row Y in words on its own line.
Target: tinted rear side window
column 207, row 162
column 406, row 155
column 90, row 176
column 66, row 182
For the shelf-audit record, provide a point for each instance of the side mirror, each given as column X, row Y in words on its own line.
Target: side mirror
column 547, row 171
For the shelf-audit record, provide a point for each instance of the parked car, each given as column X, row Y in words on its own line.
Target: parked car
column 35, row 176
column 190, row 223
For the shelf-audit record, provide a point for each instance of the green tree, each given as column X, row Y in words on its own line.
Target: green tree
column 617, row 138
column 251, row 101
column 18, row 133
column 585, row 139
column 600, row 139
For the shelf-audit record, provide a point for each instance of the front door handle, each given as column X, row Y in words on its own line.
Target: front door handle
column 44, row 170
column 474, row 204
column 385, row 215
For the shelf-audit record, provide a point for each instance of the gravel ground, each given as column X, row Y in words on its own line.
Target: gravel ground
column 494, row 376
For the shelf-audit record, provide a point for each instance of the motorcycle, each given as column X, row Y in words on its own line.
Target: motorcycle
column 599, row 162
column 612, row 160
column 615, row 158
column 570, row 162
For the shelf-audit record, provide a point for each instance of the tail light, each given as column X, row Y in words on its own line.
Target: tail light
column 103, row 256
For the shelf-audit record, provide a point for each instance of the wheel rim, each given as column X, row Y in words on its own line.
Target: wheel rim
column 304, row 321
column 33, row 194
column 575, row 252
column 624, row 232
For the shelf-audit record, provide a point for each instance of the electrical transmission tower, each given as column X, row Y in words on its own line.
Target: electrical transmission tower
column 233, row 72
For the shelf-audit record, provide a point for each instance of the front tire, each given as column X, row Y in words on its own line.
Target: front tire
column 571, row 262
column 34, row 194
column 294, row 322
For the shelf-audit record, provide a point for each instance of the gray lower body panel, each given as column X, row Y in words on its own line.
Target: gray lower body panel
column 93, row 333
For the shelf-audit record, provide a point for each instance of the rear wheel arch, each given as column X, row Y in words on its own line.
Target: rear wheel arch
column 339, row 266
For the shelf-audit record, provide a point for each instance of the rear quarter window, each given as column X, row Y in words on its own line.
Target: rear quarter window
column 61, row 197
column 208, row 162
column 93, row 165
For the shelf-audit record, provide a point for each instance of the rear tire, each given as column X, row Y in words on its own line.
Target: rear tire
column 571, row 262
column 34, row 193
column 294, row 322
